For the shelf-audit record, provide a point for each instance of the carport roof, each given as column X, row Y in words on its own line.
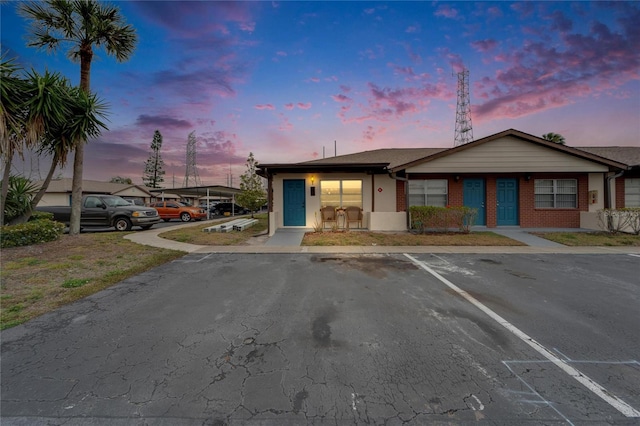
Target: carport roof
column 200, row 191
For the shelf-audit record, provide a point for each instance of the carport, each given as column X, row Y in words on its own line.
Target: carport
column 201, row 191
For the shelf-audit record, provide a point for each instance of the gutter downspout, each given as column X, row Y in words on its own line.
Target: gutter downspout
column 394, row 176
column 609, row 197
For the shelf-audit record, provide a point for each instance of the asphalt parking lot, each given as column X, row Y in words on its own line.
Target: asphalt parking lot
column 339, row 339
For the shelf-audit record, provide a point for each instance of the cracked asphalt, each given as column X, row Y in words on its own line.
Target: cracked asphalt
column 279, row 339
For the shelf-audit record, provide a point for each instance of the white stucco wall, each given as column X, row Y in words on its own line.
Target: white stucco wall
column 596, row 183
column 380, row 187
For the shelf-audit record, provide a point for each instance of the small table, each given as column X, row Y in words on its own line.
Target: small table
column 341, row 214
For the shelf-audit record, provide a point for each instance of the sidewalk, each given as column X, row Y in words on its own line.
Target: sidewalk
column 288, row 241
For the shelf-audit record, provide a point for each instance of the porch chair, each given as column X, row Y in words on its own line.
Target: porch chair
column 354, row 214
column 328, row 215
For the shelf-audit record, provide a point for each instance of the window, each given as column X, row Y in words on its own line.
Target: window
column 341, row 193
column 92, row 202
column 632, row 192
column 429, row 192
column 556, row 193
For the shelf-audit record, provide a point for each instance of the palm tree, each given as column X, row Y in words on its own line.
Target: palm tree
column 53, row 116
column 83, row 24
column 554, row 137
column 11, row 123
column 83, row 121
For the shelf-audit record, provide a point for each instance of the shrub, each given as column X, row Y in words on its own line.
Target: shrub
column 620, row 220
column 33, row 232
column 442, row 218
column 20, row 193
column 38, row 215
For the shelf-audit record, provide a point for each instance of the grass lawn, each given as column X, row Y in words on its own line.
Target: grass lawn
column 257, row 235
column 195, row 235
column 591, row 239
column 40, row 278
column 365, row 238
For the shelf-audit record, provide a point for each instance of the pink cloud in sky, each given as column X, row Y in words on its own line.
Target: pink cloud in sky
column 304, row 105
column 340, row 98
column 539, row 76
column 484, row 45
column 289, row 106
column 494, row 12
column 446, row 11
column 247, row 26
column 285, row 125
column 264, row 106
column 162, row 121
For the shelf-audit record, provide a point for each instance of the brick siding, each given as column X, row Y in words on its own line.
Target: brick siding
column 528, row 215
column 401, row 196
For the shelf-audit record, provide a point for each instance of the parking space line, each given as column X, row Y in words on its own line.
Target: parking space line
column 182, row 260
column 617, row 403
column 532, row 391
column 634, row 255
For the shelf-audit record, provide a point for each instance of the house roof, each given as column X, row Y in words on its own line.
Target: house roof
column 96, row 187
column 629, row 155
column 523, row 136
column 392, row 157
column 396, row 159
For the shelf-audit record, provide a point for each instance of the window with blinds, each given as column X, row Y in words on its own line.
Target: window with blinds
column 556, row 193
column 632, row 192
column 428, row 192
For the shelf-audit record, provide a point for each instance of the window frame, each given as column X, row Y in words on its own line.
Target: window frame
column 341, row 192
column 555, row 194
column 628, row 192
column 426, row 193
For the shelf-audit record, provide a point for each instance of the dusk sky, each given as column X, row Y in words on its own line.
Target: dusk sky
column 286, row 79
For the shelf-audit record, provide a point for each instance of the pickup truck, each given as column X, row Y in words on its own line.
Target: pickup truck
column 107, row 211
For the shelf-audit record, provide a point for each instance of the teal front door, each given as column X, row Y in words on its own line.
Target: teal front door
column 294, row 203
column 473, row 196
column 507, row 198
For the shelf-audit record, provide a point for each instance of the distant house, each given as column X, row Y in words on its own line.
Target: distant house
column 59, row 191
column 512, row 178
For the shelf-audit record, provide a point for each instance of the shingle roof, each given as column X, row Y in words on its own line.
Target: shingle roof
column 393, row 156
column 629, row 155
column 64, row 185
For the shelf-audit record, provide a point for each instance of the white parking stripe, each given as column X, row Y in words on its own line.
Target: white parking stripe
column 594, row 387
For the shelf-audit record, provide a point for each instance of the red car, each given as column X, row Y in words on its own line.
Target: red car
column 174, row 210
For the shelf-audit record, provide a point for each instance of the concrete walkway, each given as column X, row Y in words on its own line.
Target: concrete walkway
column 287, row 237
column 289, row 240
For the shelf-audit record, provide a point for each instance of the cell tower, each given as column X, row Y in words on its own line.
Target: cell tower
column 191, row 175
column 464, row 129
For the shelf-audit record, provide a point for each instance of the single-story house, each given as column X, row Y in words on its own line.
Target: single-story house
column 512, row 178
column 59, row 191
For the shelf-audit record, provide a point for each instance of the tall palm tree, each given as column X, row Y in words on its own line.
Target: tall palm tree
column 554, row 137
column 82, row 24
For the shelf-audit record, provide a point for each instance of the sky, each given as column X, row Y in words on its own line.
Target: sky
column 295, row 81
